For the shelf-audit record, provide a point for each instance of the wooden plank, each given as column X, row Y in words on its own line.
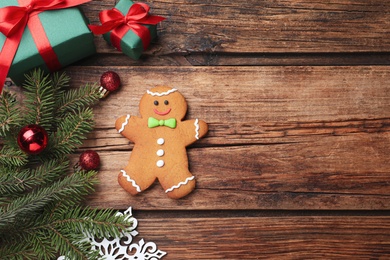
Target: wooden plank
column 241, row 59
column 280, row 137
column 277, row 237
column 253, row 26
column 275, row 95
column 264, row 177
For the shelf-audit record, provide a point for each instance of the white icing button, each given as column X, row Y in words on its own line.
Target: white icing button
column 160, row 163
column 160, row 152
column 160, row 141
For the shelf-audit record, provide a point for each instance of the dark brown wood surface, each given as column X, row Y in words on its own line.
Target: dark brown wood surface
column 271, row 237
column 297, row 97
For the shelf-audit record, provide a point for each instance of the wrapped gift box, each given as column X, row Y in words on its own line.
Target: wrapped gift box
column 67, row 32
column 131, row 43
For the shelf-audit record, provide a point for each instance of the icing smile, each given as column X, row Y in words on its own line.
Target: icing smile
column 162, row 113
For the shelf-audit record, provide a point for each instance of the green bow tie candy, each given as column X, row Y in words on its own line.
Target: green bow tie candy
column 153, row 122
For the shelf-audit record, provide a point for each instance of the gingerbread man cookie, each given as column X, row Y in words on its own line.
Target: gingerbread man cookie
column 160, row 138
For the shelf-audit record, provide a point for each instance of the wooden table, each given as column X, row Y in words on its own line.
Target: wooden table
column 297, row 98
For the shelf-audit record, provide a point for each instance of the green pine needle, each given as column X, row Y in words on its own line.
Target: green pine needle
column 83, row 221
column 77, row 99
column 16, row 250
column 69, row 191
column 66, row 229
column 41, row 215
column 71, row 132
column 39, row 100
column 14, row 181
column 9, row 112
column 12, row 156
column 97, row 222
column 60, row 84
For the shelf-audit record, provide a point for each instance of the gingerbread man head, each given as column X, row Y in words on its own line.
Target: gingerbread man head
column 160, row 138
column 162, row 103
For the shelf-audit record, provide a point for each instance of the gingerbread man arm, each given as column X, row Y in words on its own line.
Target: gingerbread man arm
column 194, row 129
column 128, row 126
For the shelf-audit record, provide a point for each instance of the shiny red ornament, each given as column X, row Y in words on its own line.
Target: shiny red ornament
column 89, row 160
column 110, row 81
column 32, row 139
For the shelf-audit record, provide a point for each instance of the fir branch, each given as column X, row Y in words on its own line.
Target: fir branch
column 60, row 86
column 12, row 156
column 80, row 222
column 77, row 99
column 94, row 222
column 60, row 82
column 69, row 191
column 66, row 245
column 40, row 211
column 9, row 112
column 41, row 247
column 67, row 229
column 71, row 131
column 26, row 246
column 14, row 181
column 39, row 100
column 16, row 250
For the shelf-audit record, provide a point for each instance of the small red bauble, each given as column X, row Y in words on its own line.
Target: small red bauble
column 89, row 160
column 110, row 81
column 32, row 139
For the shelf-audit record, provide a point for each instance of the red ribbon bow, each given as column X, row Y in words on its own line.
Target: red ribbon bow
column 120, row 24
column 13, row 21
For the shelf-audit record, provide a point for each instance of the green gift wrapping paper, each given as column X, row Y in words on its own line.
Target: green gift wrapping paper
column 131, row 44
column 68, row 35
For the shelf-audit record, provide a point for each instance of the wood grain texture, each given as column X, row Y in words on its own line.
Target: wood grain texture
column 255, row 94
column 247, row 184
column 254, row 26
column 290, row 237
column 297, row 97
column 241, row 59
column 280, row 137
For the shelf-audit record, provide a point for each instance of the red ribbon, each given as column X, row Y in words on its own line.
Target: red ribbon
column 113, row 20
column 13, row 21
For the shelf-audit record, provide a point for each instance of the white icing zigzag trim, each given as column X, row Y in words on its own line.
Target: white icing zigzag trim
column 131, row 180
column 181, row 183
column 124, row 124
column 197, row 129
column 161, row 94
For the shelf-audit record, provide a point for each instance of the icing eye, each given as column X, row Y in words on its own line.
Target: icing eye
column 166, row 102
column 155, row 103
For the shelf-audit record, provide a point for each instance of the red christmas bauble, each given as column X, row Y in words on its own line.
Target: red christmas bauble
column 110, row 81
column 32, row 139
column 89, row 160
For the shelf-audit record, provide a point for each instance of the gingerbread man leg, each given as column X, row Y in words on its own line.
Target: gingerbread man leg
column 132, row 181
column 178, row 183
